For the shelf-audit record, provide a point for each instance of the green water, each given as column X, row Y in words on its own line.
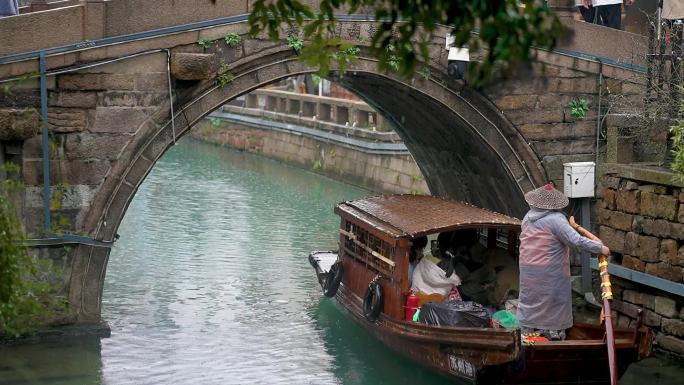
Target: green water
column 209, row 284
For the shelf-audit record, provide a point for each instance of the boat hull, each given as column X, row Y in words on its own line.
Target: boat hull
column 496, row 356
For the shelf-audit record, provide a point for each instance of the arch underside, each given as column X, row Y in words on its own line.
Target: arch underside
column 458, row 145
column 455, row 159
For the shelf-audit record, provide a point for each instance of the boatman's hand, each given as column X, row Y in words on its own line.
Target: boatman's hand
column 605, row 251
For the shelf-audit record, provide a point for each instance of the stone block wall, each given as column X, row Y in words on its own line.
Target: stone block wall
column 380, row 173
column 641, row 219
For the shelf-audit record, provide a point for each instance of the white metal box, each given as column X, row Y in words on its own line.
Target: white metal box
column 578, row 181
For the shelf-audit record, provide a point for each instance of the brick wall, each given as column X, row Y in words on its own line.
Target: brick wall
column 641, row 219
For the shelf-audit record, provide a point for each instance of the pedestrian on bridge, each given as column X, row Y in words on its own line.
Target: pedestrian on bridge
column 9, row 7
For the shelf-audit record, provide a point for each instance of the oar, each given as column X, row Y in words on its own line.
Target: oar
column 607, row 296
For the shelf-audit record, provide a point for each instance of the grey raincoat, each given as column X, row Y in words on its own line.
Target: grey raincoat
column 545, row 300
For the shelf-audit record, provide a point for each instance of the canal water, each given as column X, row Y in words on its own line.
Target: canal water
column 209, row 284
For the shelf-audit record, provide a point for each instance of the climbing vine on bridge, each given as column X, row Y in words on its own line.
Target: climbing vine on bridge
column 506, row 30
column 25, row 294
column 677, row 132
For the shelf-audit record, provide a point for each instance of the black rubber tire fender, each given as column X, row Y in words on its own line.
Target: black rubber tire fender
column 372, row 301
column 333, row 279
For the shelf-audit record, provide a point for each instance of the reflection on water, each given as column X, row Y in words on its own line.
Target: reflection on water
column 52, row 361
column 209, row 284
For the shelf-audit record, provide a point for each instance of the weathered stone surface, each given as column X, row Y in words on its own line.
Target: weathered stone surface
column 73, row 196
column 73, row 99
column 670, row 343
column 628, row 201
column 659, row 206
column 614, row 239
column 680, row 213
column 679, row 260
column 616, row 219
column 70, row 171
column 514, row 102
column 560, row 147
column 668, row 250
column 626, row 308
column 673, row 326
column 653, row 188
column 94, row 82
column 666, row 307
column 608, row 198
column 665, row 270
column 677, row 230
column 651, row 319
column 192, row 66
column 633, row 263
column 647, row 248
column 630, row 185
column 19, row 123
column 95, row 146
column 130, row 99
column 66, row 120
column 657, row 227
column 118, row 119
column 639, row 298
column 611, row 182
column 631, row 243
column 155, row 82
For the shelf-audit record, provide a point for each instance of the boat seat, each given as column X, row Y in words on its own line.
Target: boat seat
column 423, row 298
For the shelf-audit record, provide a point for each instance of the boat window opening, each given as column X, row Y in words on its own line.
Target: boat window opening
column 373, row 252
column 502, row 238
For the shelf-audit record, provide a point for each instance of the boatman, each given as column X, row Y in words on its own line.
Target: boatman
column 545, row 302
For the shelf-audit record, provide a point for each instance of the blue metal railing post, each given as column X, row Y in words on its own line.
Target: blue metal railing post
column 46, row 144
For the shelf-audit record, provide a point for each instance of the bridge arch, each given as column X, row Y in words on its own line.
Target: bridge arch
column 465, row 147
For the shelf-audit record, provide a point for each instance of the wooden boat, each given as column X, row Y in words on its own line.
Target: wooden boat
column 375, row 239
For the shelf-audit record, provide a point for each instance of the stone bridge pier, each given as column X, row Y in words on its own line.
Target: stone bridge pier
column 109, row 115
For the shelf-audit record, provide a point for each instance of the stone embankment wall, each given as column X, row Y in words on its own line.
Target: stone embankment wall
column 641, row 218
column 377, row 172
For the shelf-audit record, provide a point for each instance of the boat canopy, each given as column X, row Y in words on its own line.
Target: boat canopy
column 409, row 216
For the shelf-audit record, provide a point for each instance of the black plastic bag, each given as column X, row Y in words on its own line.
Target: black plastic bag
column 454, row 313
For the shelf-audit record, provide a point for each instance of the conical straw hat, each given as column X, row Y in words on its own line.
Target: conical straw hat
column 546, row 197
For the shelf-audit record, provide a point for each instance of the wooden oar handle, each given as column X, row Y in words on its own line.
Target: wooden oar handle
column 606, row 291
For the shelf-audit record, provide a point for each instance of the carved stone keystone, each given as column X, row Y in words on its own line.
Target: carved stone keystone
column 192, row 66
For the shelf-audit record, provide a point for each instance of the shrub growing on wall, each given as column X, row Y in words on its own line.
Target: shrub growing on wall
column 26, row 300
column 678, row 148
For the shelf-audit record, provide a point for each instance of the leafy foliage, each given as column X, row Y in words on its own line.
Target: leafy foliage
column 315, row 79
column 204, row 43
column 295, row 43
column 25, row 289
column 215, row 122
column 232, row 39
column 578, row 108
column 425, row 72
column 506, row 29
column 677, row 132
column 224, row 75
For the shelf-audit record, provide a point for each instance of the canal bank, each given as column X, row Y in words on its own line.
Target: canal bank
column 377, row 161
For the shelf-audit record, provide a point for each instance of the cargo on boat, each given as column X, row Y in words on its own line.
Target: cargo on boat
column 369, row 276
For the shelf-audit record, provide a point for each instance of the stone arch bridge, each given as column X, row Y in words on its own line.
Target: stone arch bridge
column 122, row 80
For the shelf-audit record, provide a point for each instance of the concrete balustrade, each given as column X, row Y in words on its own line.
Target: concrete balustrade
column 342, row 116
column 321, row 108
